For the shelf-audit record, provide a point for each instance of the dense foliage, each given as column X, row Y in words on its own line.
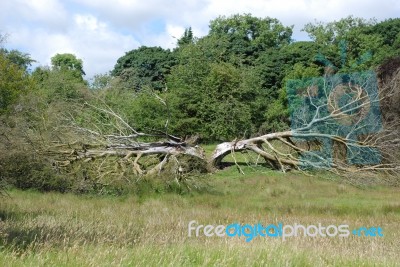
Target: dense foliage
column 228, row 84
column 231, row 82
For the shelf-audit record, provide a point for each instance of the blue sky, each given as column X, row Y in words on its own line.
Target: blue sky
column 100, row 31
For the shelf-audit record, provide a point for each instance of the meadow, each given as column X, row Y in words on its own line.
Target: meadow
column 151, row 229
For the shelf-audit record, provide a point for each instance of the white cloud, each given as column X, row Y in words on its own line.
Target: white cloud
column 89, row 22
column 24, row 12
column 175, row 30
column 94, row 42
column 43, row 10
column 100, row 31
column 98, row 45
column 168, row 38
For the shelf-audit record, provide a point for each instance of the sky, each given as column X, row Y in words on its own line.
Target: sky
column 101, row 31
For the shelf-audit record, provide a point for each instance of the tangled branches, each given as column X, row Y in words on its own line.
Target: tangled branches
column 336, row 125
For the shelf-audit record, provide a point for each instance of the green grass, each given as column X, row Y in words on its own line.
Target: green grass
column 52, row 229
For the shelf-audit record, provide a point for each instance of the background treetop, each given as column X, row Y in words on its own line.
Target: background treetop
column 67, row 61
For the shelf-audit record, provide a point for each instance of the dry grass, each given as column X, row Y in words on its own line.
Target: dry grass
column 69, row 230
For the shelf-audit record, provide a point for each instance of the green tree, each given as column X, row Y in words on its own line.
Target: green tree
column 211, row 97
column 63, row 81
column 101, row 81
column 68, row 62
column 23, row 60
column 187, row 37
column 59, row 85
column 248, row 36
column 389, row 29
column 332, row 32
column 274, row 63
column 352, row 44
column 147, row 66
column 235, row 74
column 185, row 89
column 389, row 37
column 13, row 82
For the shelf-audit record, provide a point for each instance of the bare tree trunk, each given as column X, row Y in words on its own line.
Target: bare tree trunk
column 286, row 150
column 281, row 150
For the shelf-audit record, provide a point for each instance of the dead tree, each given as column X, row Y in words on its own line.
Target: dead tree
column 124, row 150
column 336, row 125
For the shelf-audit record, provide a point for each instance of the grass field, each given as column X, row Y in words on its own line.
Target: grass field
column 52, row 229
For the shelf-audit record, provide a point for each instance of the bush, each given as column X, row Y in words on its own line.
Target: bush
column 28, row 172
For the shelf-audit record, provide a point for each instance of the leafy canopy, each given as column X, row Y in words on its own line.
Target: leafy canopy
column 67, row 62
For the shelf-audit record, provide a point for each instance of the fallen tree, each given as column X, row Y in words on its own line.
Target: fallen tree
column 336, row 124
column 342, row 137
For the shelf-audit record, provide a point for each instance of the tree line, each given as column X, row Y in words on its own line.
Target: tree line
column 228, row 84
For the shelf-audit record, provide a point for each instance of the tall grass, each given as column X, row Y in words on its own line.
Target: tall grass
column 52, row 229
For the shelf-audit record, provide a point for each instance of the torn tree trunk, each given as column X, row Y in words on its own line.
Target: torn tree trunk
column 333, row 113
column 255, row 144
column 327, row 114
column 128, row 152
column 125, row 146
